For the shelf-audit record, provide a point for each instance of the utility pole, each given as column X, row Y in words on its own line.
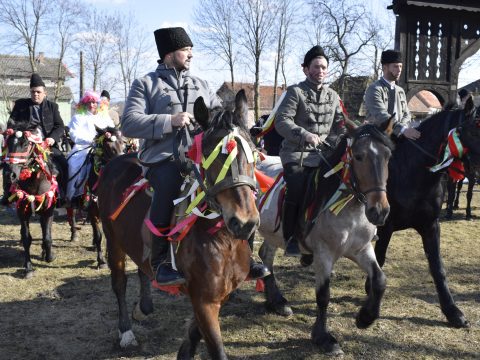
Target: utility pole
column 81, row 74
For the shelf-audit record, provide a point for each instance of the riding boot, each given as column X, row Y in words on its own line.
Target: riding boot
column 162, row 264
column 6, row 184
column 257, row 269
column 290, row 215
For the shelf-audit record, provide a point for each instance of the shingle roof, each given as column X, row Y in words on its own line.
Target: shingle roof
column 469, row 5
column 226, row 93
column 17, row 67
column 14, row 92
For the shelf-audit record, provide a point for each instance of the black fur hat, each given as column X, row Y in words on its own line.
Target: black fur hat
column 36, row 80
column 391, row 57
column 106, row 94
column 171, row 39
column 462, row 93
column 311, row 54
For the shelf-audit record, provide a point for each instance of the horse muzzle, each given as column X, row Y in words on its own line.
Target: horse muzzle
column 377, row 214
column 242, row 230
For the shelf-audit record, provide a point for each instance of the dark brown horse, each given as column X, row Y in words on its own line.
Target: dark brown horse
column 453, row 192
column 34, row 188
column 213, row 263
column 106, row 145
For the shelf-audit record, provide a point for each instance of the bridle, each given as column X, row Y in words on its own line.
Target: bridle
column 348, row 176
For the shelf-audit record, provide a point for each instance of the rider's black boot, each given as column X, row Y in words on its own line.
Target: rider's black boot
column 161, row 263
column 257, row 269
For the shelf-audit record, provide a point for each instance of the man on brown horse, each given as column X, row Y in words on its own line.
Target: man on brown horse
column 158, row 105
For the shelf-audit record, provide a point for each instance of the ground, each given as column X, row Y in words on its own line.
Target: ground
column 68, row 311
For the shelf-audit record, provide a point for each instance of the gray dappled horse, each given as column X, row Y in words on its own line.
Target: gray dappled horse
column 347, row 234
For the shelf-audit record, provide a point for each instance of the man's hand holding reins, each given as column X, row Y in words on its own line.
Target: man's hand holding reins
column 313, row 139
column 411, row 133
column 181, row 119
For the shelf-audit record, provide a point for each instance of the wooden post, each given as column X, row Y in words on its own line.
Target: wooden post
column 81, row 75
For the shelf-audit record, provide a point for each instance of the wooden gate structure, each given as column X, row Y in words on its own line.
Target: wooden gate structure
column 435, row 38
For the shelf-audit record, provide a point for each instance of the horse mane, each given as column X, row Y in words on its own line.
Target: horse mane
column 374, row 131
column 227, row 120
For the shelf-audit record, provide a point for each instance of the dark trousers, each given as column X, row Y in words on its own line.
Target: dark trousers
column 60, row 169
column 296, row 177
column 166, row 181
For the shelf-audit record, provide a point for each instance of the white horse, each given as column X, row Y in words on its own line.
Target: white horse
column 331, row 236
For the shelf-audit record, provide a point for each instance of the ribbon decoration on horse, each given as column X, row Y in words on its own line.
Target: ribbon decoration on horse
column 454, row 151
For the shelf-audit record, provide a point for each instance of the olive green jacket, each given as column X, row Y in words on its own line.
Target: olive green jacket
column 307, row 110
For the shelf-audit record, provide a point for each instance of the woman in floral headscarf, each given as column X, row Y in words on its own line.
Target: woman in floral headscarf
column 82, row 132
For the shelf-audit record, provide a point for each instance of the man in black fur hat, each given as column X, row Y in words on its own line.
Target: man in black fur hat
column 157, row 104
column 39, row 114
column 309, row 115
column 384, row 97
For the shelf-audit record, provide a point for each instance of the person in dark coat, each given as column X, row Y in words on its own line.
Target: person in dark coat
column 39, row 113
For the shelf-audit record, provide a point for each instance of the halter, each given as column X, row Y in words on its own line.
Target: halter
column 347, row 177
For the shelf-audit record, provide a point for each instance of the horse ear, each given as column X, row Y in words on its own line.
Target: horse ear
column 387, row 127
column 351, row 126
column 241, row 106
column 201, row 113
column 98, row 130
column 469, row 107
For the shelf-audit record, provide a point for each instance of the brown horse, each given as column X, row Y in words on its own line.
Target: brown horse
column 106, row 145
column 214, row 263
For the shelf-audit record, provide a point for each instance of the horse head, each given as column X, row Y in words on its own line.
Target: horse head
column 19, row 148
column 108, row 143
column 371, row 150
column 229, row 162
column 469, row 134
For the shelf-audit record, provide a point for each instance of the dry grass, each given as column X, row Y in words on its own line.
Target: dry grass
column 68, row 311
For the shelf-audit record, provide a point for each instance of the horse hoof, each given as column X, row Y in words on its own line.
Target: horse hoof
column 127, row 339
column 328, row 345
column 74, row 238
column 364, row 319
column 102, row 266
column 137, row 313
column 280, row 309
column 28, row 274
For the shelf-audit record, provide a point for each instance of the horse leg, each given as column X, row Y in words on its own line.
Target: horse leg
column 275, row 300
column 370, row 310
column 46, row 220
column 145, row 305
column 26, row 238
column 320, row 334
column 97, row 234
column 116, row 262
column 189, row 345
column 457, row 194
column 72, row 221
column 206, row 316
column 451, row 198
column 431, row 244
column 384, row 234
column 471, row 184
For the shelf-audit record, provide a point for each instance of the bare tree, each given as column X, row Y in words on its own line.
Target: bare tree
column 25, row 18
column 286, row 20
column 130, row 44
column 66, row 21
column 347, row 29
column 95, row 45
column 256, row 18
column 215, row 20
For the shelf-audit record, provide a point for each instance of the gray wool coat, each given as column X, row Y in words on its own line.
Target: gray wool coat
column 307, row 110
column 376, row 105
column 151, row 102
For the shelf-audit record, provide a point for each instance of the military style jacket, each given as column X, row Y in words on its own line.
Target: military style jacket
column 307, row 110
column 151, row 102
column 376, row 105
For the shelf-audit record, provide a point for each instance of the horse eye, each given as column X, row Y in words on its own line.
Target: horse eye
column 358, row 157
